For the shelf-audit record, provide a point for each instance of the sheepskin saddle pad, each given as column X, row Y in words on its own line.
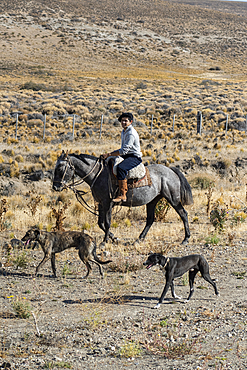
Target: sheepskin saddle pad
column 137, row 172
column 137, row 177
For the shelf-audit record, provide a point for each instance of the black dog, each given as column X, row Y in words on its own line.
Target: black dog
column 175, row 267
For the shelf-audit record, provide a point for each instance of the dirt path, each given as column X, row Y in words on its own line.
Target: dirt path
column 110, row 323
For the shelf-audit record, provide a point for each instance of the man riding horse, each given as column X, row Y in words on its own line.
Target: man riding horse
column 130, row 151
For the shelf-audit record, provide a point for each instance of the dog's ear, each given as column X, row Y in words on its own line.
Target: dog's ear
column 37, row 233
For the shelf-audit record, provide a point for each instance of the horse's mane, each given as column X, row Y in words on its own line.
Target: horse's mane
column 82, row 157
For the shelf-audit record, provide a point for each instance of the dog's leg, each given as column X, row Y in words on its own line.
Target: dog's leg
column 53, row 264
column 89, row 268
column 169, row 280
column 44, row 260
column 192, row 274
column 210, row 281
column 173, row 291
column 82, row 258
column 100, row 267
column 204, row 270
column 163, row 294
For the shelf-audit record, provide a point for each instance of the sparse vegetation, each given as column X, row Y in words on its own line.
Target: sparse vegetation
column 130, row 349
column 22, row 308
column 68, row 65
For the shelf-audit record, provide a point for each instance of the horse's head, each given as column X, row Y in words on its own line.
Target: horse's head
column 64, row 171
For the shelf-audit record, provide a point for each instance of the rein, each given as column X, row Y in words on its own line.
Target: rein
column 80, row 193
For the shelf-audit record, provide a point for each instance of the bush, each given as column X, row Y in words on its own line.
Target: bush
column 161, row 210
column 33, row 86
column 218, row 215
column 21, row 261
column 130, row 349
column 21, row 308
column 202, row 182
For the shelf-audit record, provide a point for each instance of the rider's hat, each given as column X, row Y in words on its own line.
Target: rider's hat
column 126, row 115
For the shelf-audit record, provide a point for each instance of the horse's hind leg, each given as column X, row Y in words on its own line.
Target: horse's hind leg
column 184, row 217
column 150, row 217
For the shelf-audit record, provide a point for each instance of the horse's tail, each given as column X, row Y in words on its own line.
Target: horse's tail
column 185, row 191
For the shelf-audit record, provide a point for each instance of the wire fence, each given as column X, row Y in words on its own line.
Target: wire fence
column 199, row 123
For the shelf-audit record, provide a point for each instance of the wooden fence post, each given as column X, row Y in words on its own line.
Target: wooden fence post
column 199, row 123
column 101, row 123
column 226, row 124
column 44, row 127
column 73, row 130
column 173, row 123
column 16, row 125
column 152, row 120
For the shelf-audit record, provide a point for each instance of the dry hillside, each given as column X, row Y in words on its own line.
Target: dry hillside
column 72, row 39
column 64, row 65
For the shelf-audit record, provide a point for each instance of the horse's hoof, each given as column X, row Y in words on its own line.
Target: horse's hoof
column 185, row 242
column 102, row 245
column 137, row 241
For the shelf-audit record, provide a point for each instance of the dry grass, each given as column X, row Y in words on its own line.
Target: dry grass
column 65, row 71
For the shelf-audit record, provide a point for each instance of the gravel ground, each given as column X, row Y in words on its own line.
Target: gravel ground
column 110, row 323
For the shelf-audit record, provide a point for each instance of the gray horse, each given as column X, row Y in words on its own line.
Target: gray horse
column 167, row 182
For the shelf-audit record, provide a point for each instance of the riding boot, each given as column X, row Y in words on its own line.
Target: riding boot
column 123, row 187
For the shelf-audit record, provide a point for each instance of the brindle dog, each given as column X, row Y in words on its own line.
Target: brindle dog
column 58, row 241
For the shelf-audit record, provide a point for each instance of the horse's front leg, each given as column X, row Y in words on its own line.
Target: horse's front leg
column 104, row 222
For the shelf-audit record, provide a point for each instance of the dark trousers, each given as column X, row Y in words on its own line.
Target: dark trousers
column 127, row 164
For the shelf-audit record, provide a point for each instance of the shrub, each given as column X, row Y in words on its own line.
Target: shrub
column 239, row 217
column 202, row 182
column 22, row 308
column 3, row 210
column 162, row 209
column 60, row 216
column 130, row 349
column 66, row 270
column 33, row 203
column 127, row 222
column 33, row 86
column 213, row 239
column 218, row 215
column 86, row 226
column 21, row 261
column 19, row 158
column 126, row 264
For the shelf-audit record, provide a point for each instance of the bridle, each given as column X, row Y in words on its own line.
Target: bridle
column 73, row 186
column 68, row 164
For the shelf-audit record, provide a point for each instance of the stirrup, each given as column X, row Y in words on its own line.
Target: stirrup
column 119, row 199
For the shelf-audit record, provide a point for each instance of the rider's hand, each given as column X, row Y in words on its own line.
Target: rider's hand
column 105, row 156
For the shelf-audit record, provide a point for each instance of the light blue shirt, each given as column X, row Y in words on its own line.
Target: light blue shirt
column 130, row 143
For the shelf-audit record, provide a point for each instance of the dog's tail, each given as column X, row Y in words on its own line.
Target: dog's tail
column 101, row 262
column 97, row 258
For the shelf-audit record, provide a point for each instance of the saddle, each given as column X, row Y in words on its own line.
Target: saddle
column 137, row 177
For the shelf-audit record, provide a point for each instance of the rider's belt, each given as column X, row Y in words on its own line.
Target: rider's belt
column 124, row 156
